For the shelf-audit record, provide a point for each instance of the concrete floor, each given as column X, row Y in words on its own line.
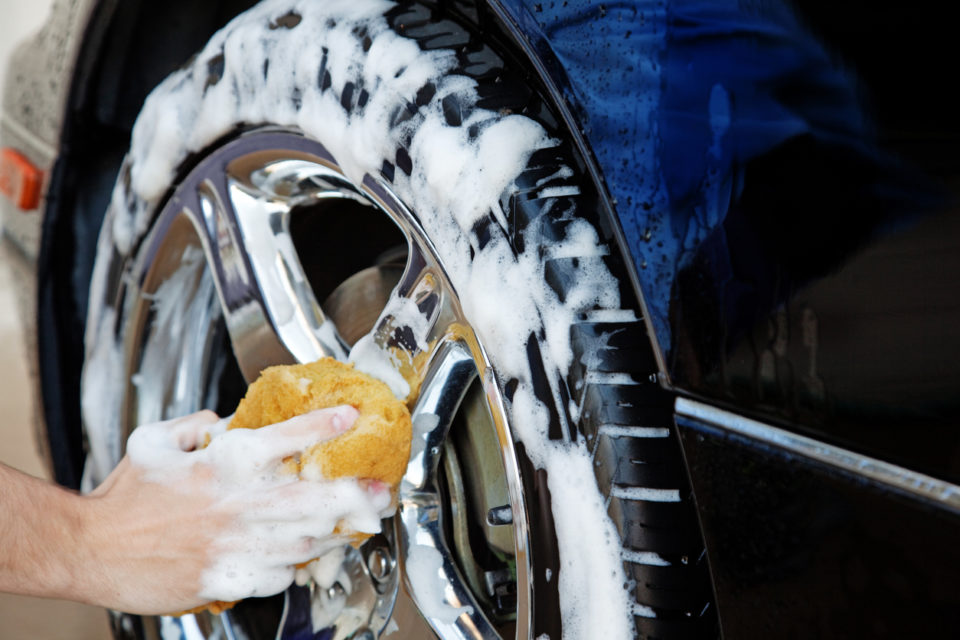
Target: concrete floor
column 30, row 618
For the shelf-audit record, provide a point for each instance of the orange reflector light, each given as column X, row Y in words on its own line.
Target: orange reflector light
column 19, row 179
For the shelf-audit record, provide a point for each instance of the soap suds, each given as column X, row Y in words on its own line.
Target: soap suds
column 573, row 482
column 649, row 558
column 456, row 181
column 391, row 628
column 170, row 629
column 332, row 588
column 367, row 356
column 102, row 392
column 424, row 566
column 644, row 493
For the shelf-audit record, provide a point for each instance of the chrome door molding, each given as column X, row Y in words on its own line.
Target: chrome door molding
column 916, row 485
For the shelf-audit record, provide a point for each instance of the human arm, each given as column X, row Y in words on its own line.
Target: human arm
column 38, row 525
column 159, row 533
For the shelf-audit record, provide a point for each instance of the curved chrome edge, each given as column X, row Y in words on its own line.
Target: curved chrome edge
column 420, row 524
column 918, row 485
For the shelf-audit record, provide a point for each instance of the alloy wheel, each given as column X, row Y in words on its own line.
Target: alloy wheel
column 226, row 283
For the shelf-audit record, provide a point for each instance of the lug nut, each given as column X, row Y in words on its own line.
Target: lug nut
column 336, row 591
column 380, row 564
column 500, row 515
column 502, row 587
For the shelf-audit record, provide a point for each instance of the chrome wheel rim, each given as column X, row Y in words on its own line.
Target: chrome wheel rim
column 220, row 264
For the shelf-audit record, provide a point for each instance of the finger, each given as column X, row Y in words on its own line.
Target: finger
column 234, row 577
column 317, row 425
column 190, row 432
column 275, row 442
column 374, row 486
column 277, row 545
column 303, row 549
column 349, row 507
column 159, row 443
column 323, row 501
column 319, row 501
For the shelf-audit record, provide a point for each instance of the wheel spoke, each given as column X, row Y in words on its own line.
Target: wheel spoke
column 425, row 551
column 417, row 321
column 270, row 311
column 450, row 374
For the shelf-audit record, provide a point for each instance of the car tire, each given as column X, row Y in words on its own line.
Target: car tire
column 586, row 363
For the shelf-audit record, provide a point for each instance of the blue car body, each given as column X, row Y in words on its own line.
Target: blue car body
column 753, row 165
column 784, row 178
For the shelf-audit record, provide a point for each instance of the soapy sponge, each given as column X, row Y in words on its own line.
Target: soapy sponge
column 377, row 447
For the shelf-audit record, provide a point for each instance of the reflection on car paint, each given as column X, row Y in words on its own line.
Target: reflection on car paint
column 760, row 155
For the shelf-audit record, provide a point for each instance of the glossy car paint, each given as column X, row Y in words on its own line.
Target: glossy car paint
column 800, row 549
column 784, row 176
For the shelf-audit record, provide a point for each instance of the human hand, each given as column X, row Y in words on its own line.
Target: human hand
column 176, row 526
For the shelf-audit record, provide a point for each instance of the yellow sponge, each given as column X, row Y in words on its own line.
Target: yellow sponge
column 376, row 447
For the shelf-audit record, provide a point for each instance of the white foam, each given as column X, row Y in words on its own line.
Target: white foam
column 558, row 192
column 423, row 569
column 614, row 430
column 562, row 172
column 391, row 628
column 367, row 356
column 645, row 493
column 169, row 629
column 649, row 558
column 100, row 381
column 102, row 391
column 579, row 507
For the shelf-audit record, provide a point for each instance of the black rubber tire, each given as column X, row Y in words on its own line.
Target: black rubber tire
column 679, row 594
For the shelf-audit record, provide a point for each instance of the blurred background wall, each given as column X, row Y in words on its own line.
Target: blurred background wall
column 20, row 617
